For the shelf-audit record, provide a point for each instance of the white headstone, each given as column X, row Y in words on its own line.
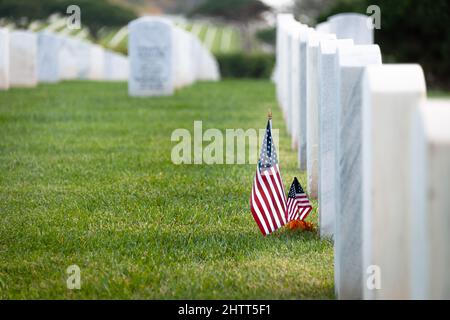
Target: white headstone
column 96, row 63
column 348, row 237
column 83, row 60
column 4, row 59
column 352, row 26
column 288, row 101
column 303, row 94
column 209, row 69
column 49, row 45
column 283, row 20
column 68, row 60
column 115, row 66
column 23, row 59
column 392, row 93
column 312, row 111
column 184, row 66
column 430, row 201
column 328, row 92
column 150, row 49
column 323, row 27
column 295, row 84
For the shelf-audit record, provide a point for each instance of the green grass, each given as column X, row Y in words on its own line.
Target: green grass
column 86, row 178
column 438, row 94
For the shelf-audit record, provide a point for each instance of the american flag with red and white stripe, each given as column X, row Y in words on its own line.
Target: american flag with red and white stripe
column 268, row 200
column 298, row 204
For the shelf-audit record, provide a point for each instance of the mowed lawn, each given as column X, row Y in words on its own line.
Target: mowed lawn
column 86, row 178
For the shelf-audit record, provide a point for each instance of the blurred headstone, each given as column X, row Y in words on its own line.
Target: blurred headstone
column 68, row 58
column 4, row 59
column 23, row 59
column 430, row 201
column 354, row 26
column 96, row 62
column 49, row 45
column 150, row 49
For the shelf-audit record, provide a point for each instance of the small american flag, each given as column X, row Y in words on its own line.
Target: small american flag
column 298, row 204
column 268, row 200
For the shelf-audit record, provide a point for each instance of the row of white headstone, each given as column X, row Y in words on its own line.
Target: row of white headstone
column 164, row 57
column 28, row 58
column 377, row 156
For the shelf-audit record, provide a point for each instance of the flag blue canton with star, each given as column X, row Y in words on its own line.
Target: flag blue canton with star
column 268, row 156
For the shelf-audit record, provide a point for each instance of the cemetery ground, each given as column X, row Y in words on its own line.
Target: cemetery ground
column 86, row 178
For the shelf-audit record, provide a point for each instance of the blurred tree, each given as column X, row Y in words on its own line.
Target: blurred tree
column 233, row 10
column 411, row 32
column 307, row 11
column 267, row 35
column 94, row 14
column 241, row 12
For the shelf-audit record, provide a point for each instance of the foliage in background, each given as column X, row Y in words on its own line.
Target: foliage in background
column 411, row 32
column 232, row 10
column 307, row 11
column 241, row 65
column 94, row 14
column 267, row 35
column 241, row 12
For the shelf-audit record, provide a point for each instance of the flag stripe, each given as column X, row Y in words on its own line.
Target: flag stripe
column 262, row 204
column 268, row 199
column 261, row 209
column 278, row 197
column 258, row 218
column 274, row 198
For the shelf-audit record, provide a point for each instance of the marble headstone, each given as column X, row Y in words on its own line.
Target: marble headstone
column 392, row 93
column 430, row 201
column 49, row 45
column 4, row 59
column 327, row 101
column 303, row 96
column 150, row 49
column 83, row 60
column 96, row 68
column 23, row 59
column 312, row 111
column 352, row 26
column 68, row 60
column 323, row 27
column 288, row 102
column 115, row 66
column 295, row 84
column 352, row 61
column 283, row 21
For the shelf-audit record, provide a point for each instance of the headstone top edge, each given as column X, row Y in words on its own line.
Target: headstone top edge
column 150, row 19
column 359, row 55
column 330, row 46
column 396, row 78
column 347, row 15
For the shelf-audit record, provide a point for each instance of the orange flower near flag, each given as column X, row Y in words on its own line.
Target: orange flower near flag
column 302, row 225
